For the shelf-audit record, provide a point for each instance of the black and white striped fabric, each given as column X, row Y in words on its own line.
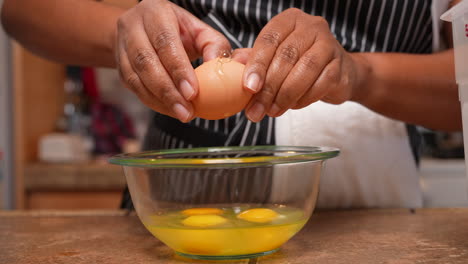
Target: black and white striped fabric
column 359, row 25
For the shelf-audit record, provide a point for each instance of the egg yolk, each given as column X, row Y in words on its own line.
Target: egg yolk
column 204, row 220
column 258, row 215
column 202, row 211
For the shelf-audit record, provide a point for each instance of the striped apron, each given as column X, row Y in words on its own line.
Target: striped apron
column 359, row 25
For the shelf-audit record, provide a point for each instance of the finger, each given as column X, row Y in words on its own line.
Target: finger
column 241, row 55
column 163, row 33
column 302, row 76
column 132, row 82
column 264, row 49
column 286, row 56
column 212, row 44
column 327, row 81
column 154, row 76
column 199, row 38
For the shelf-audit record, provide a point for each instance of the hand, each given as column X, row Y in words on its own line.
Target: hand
column 155, row 42
column 296, row 61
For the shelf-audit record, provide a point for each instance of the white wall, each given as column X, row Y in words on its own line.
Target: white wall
column 443, row 182
column 6, row 118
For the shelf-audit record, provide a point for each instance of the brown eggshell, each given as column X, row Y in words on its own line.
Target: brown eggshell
column 220, row 89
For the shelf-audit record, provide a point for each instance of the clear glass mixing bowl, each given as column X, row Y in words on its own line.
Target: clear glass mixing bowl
column 225, row 202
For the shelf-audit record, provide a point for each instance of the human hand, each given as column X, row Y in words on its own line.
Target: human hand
column 296, row 61
column 155, row 41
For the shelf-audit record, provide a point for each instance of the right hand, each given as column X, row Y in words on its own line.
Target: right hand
column 155, row 42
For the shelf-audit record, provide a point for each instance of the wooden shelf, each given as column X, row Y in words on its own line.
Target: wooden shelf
column 74, row 177
column 73, row 186
column 38, row 98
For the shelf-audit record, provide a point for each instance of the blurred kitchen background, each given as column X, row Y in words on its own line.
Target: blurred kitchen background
column 58, row 126
column 59, row 123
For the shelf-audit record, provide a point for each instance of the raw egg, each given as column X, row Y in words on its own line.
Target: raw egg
column 204, row 220
column 220, row 89
column 202, row 211
column 258, row 215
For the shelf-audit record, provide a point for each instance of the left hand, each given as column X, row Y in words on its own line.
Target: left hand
column 296, row 61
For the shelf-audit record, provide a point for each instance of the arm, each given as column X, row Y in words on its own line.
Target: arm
column 417, row 89
column 296, row 61
column 428, row 96
column 72, row 32
column 150, row 44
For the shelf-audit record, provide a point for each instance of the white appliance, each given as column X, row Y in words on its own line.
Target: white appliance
column 7, row 195
column 458, row 15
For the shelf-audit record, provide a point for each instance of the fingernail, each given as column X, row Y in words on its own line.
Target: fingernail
column 181, row 112
column 252, row 82
column 186, row 89
column 256, row 112
column 274, row 110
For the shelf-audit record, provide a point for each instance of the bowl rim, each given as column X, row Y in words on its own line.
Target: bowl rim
column 290, row 154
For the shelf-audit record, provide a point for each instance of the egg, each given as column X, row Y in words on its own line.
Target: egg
column 220, row 89
column 258, row 215
column 202, row 211
column 204, row 220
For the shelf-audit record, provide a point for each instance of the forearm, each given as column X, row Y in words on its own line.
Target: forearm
column 78, row 32
column 417, row 89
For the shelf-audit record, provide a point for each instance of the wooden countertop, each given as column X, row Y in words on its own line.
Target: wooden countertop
column 370, row 236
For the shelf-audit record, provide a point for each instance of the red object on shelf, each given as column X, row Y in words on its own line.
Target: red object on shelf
column 90, row 86
column 110, row 126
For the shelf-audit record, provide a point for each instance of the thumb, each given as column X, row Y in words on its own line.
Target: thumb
column 211, row 43
column 200, row 38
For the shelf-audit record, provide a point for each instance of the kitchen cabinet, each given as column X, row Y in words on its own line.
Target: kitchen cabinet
column 38, row 98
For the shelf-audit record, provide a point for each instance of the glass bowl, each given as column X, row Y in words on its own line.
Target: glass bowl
column 225, row 202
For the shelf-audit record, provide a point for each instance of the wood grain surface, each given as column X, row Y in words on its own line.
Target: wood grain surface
column 371, row 236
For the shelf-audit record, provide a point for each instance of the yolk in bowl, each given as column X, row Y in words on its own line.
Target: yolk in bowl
column 258, row 215
column 204, row 220
column 228, row 234
column 202, row 211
